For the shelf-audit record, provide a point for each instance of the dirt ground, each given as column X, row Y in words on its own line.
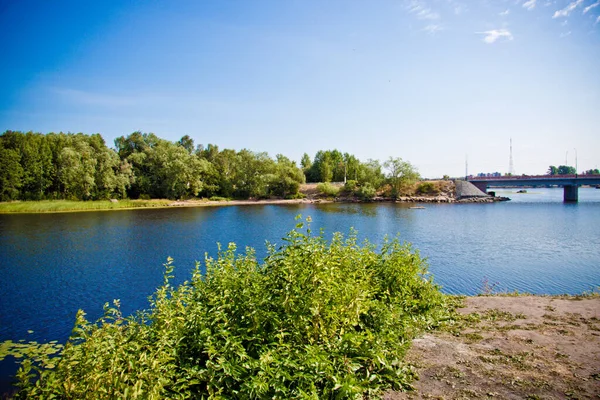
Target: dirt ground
column 521, row 347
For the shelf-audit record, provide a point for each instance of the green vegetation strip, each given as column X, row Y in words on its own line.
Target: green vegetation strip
column 68, row 205
column 316, row 319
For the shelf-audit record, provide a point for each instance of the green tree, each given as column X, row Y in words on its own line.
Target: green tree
column 187, row 143
column 11, row 174
column 401, row 174
column 286, row 180
column 566, row 170
column 552, row 170
column 592, row 172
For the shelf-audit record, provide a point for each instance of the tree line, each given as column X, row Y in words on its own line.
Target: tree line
column 35, row 166
column 567, row 170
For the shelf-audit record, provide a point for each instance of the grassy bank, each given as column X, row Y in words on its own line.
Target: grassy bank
column 48, row 206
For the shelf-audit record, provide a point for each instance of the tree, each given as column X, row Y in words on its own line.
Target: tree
column 187, row 143
column 552, row 170
column 566, row 170
column 592, row 172
column 11, row 174
column 401, row 174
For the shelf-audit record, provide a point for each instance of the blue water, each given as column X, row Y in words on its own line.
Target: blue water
column 52, row 265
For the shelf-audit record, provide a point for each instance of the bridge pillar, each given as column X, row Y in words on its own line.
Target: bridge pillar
column 481, row 186
column 571, row 194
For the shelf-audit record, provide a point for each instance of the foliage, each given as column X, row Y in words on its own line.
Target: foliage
column 328, row 189
column 317, row 319
column 350, row 186
column 401, row 175
column 427, row 188
column 72, row 205
column 81, row 167
column 561, row 170
column 595, row 171
column 366, row 192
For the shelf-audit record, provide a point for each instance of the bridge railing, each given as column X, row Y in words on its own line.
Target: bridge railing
column 522, row 177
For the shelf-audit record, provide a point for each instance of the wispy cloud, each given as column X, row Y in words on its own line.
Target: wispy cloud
column 433, row 28
column 588, row 8
column 562, row 35
column 597, row 20
column 422, row 11
column 504, row 13
column 567, row 10
column 495, row 34
column 530, row 4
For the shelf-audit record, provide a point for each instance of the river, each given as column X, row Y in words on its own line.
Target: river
column 53, row 264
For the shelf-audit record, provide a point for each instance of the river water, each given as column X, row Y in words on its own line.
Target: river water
column 51, row 265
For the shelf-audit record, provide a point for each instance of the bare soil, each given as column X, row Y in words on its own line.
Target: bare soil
column 519, row 347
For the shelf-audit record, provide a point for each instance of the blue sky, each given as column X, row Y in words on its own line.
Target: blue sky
column 430, row 81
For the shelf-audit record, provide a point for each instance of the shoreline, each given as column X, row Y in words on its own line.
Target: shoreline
column 162, row 204
column 509, row 347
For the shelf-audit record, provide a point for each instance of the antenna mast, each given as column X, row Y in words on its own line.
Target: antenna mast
column 511, row 168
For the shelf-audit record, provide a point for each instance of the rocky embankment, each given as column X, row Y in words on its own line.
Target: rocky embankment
column 447, row 192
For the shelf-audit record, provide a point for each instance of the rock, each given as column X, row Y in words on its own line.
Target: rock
column 114, row 200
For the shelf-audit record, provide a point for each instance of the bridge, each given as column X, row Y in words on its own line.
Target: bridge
column 570, row 183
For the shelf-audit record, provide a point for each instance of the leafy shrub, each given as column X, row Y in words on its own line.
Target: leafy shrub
column 316, row 319
column 327, row 189
column 366, row 192
column 295, row 196
column 350, row 186
column 427, row 188
column 218, row 198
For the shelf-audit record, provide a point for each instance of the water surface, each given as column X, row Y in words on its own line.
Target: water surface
column 53, row 264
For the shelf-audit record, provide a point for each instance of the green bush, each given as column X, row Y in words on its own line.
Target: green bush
column 218, row 198
column 366, row 192
column 427, row 188
column 317, row 319
column 350, row 186
column 327, row 189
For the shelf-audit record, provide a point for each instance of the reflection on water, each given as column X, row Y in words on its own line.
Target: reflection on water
column 52, row 265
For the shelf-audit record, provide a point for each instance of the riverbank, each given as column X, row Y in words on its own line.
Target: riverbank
column 449, row 194
column 511, row 347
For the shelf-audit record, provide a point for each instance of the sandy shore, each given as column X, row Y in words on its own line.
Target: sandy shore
column 512, row 347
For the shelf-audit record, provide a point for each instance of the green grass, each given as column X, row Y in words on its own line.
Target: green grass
column 49, row 206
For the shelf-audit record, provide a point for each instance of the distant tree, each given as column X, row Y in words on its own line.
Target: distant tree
column 552, row 170
column 566, row 170
column 592, row 172
column 187, row 143
column 401, row 175
column 370, row 172
column 305, row 162
column 11, row 174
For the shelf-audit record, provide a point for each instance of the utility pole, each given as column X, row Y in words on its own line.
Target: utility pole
column 466, row 167
column 575, row 162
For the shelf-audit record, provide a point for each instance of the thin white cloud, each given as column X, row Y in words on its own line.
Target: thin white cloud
column 433, row 28
column 530, row 4
column 496, row 34
column 422, row 11
column 588, row 8
column 567, row 10
column 597, row 20
column 504, row 13
column 562, row 35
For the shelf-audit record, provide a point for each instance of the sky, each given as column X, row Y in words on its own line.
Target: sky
column 435, row 82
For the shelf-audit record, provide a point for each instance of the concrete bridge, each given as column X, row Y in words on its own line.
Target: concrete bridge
column 570, row 183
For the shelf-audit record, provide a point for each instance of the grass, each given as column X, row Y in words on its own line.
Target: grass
column 51, row 206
